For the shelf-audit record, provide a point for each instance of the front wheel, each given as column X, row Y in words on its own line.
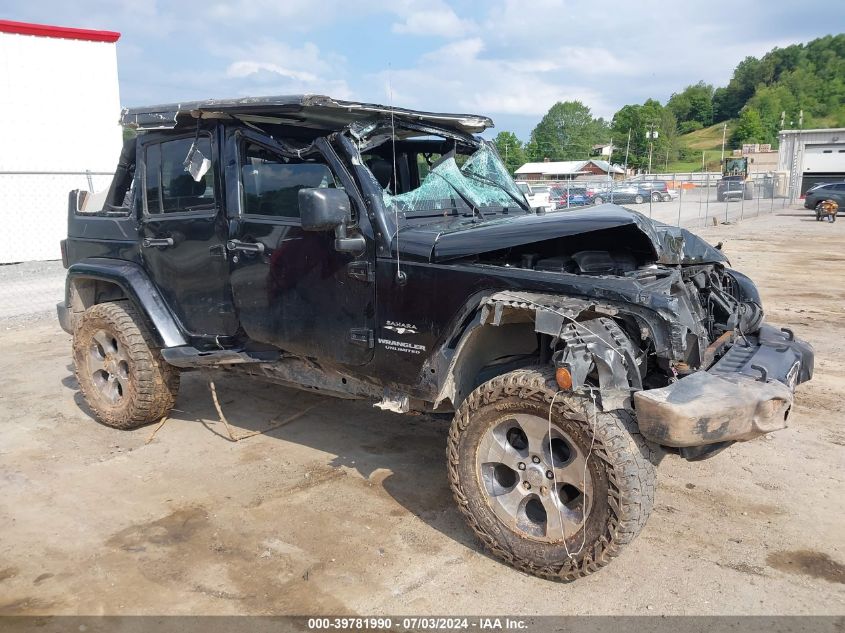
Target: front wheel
column 638, row 199
column 120, row 372
column 555, row 494
column 656, row 197
column 598, row 200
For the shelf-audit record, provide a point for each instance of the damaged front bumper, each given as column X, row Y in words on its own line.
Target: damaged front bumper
column 747, row 393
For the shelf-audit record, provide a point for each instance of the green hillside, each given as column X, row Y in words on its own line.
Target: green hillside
column 706, row 141
column 798, row 86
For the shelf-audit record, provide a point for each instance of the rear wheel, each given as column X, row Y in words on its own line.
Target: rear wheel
column 666, row 197
column 656, row 197
column 598, row 200
column 638, row 199
column 119, row 369
column 555, row 495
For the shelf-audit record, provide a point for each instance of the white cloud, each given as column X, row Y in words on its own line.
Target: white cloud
column 442, row 22
column 457, row 76
column 270, row 66
column 597, row 60
column 247, row 68
column 290, row 15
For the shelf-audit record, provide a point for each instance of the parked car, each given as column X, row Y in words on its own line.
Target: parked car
column 564, row 197
column 626, row 194
column 538, row 196
column 659, row 189
column 734, row 188
column 815, row 196
column 253, row 236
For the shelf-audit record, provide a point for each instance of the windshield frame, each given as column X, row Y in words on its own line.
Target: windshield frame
column 380, row 222
column 481, row 185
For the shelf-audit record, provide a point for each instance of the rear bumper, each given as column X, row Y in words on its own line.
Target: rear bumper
column 747, row 393
column 64, row 317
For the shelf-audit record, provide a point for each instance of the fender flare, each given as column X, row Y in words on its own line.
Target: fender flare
column 546, row 314
column 138, row 288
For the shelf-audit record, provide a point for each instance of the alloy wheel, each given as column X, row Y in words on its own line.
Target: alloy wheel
column 536, row 482
column 108, row 366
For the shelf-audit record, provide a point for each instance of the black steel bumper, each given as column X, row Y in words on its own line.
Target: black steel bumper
column 64, row 317
column 747, row 393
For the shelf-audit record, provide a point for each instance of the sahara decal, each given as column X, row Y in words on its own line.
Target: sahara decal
column 401, row 328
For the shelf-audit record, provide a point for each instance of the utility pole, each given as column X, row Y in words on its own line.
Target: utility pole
column 652, row 134
column 627, row 148
column 800, row 153
column 724, row 134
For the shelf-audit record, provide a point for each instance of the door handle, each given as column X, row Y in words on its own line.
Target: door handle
column 157, row 241
column 246, row 247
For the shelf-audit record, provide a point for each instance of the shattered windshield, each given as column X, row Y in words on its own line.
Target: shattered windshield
column 482, row 184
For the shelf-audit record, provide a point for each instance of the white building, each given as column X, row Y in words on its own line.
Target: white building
column 59, row 110
column 811, row 157
column 568, row 170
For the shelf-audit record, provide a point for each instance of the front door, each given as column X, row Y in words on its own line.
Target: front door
column 292, row 288
column 184, row 234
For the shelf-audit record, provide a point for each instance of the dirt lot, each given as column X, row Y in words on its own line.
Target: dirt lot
column 347, row 508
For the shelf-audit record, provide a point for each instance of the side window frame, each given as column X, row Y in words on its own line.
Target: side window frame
column 158, row 140
column 244, row 139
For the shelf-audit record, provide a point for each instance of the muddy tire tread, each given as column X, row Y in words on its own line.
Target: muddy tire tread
column 618, row 443
column 154, row 382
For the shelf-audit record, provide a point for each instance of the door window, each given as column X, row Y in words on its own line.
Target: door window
column 169, row 186
column 272, row 182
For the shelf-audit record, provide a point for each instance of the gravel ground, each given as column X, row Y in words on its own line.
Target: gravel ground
column 347, row 509
column 29, row 292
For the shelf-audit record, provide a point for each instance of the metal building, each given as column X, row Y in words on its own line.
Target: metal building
column 811, row 157
column 59, row 130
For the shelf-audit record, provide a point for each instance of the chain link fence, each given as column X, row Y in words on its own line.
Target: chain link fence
column 33, row 209
column 690, row 200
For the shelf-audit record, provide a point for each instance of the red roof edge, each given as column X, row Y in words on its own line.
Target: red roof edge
column 63, row 32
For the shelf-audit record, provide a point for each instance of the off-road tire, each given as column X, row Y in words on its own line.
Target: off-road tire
column 622, row 468
column 150, row 387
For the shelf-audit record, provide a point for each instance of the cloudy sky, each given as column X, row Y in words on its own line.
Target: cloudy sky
column 505, row 58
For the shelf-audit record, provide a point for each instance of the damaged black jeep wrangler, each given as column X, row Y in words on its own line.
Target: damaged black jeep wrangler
column 371, row 252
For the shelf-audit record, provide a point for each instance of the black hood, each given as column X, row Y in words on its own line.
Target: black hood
column 461, row 237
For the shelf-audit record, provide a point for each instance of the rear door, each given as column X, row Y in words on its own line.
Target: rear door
column 183, row 234
column 292, row 288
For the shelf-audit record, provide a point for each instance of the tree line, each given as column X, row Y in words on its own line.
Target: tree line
column 800, row 85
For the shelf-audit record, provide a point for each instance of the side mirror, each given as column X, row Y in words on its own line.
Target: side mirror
column 323, row 209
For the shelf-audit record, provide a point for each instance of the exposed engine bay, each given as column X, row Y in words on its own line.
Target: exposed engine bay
column 717, row 305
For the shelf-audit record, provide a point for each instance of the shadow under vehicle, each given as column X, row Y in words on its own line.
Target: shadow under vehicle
column 369, row 252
